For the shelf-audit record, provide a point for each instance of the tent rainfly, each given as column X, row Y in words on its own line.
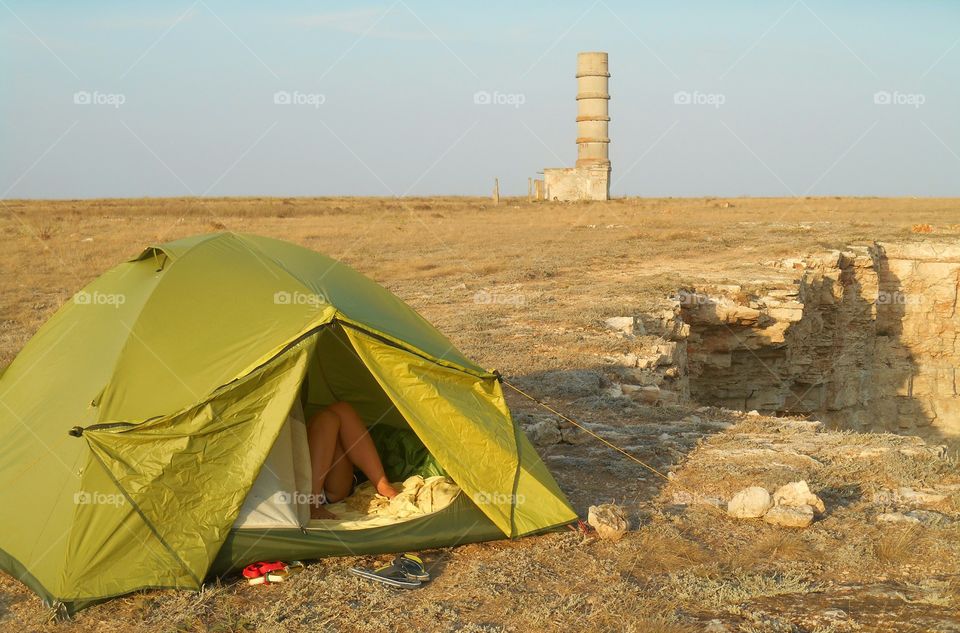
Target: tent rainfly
column 140, row 417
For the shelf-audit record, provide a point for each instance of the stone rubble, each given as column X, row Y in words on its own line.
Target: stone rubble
column 544, row 433
column 622, row 324
column 609, row 520
column 797, row 494
column 792, row 505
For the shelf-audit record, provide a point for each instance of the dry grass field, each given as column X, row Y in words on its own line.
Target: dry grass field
column 525, row 287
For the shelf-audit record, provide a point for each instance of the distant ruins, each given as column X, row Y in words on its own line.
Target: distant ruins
column 590, row 178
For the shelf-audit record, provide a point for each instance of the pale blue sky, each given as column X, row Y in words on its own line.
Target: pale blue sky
column 795, row 81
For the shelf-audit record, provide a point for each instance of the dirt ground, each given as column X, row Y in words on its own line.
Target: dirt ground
column 524, row 288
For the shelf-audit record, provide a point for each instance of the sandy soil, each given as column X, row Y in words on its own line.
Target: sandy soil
column 525, row 288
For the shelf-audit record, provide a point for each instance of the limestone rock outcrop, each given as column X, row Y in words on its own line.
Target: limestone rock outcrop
column 863, row 339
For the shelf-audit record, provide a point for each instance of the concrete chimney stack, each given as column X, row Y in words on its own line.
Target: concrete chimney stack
column 593, row 115
column 590, row 179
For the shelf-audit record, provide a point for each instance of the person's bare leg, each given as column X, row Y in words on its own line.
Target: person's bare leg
column 359, row 448
column 323, row 433
column 339, row 481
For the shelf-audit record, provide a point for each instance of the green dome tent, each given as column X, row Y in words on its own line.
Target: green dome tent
column 140, row 416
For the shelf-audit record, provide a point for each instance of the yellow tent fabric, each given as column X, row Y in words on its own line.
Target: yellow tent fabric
column 466, row 425
column 137, row 418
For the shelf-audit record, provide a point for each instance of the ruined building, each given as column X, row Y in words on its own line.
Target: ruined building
column 590, row 178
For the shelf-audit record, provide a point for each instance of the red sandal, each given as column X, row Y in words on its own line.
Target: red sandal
column 258, row 573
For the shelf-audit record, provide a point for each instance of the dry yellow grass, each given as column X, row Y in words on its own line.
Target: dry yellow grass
column 565, row 268
column 571, row 264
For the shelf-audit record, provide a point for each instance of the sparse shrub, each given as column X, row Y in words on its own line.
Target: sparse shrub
column 897, row 545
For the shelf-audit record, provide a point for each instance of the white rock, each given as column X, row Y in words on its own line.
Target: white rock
column 789, row 516
column 544, row 433
column 620, row 324
column 753, row 413
column 630, row 390
column 573, row 435
column 798, row 494
column 928, row 517
column 896, row 517
column 920, row 497
column 613, row 391
column 666, row 352
column 749, row 503
column 647, row 362
column 649, row 394
column 609, row 520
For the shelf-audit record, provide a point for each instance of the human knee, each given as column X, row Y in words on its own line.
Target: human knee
column 341, row 409
column 337, row 494
column 325, row 418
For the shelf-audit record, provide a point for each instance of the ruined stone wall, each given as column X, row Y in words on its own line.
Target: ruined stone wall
column 917, row 326
column 864, row 339
column 565, row 184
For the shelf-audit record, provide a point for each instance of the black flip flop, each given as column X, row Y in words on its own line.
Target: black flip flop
column 390, row 575
column 412, row 566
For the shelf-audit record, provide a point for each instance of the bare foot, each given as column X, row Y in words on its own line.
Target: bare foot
column 321, row 512
column 384, row 488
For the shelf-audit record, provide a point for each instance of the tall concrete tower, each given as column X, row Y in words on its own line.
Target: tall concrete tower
column 593, row 115
column 590, row 179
